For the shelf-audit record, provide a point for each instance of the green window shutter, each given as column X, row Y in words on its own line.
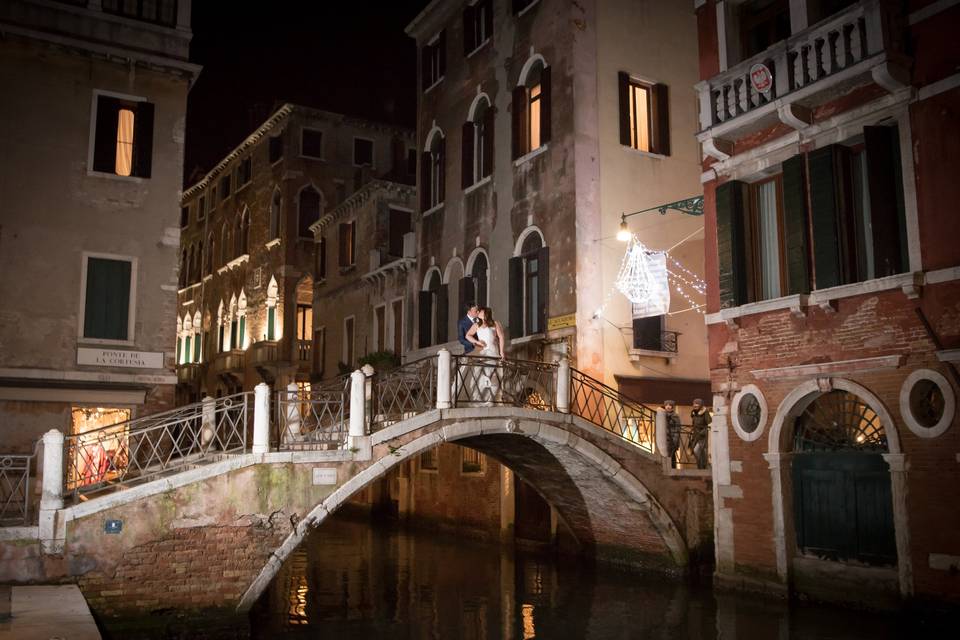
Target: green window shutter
column 179, row 343
column 795, row 224
column 515, row 295
column 731, row 244
column 271, row 323
column 196, row 347
column 243, row 332
column 187, row 350
column 824, row 216
column 107, row 304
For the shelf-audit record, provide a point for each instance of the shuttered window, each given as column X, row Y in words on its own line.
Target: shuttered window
column 433, row 61
column 432, row 174
column 477, row 25
column 123, row 137
column 529, row 288
column 347, row 243
column 531, row 110
column 107, row 299
column 730, row 244
column 400, row 225
column 477, row 146
column 644, row 115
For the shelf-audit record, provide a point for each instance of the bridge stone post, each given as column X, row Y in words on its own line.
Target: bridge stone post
column 261, row 418
column 292, row 411
column 563, row 386
column 661, row 433
column 208, row 420
column 358, row 410
column 443, row 379
column 51, row 499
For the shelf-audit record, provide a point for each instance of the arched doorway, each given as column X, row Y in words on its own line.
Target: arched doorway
column 842, row 499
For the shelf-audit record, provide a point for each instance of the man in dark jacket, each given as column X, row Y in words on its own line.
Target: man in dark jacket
column 700, row 419
column 464, row 326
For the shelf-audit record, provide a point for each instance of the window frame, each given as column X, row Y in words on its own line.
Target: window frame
column 380, row 327
column 132, row 304
column 437, row 70
column 755, row 276
column 244, row 173
column 351, row 226
column 373, row 152
column 304, row 130
column 92, row 139
column 278, row 141
column 352, row 343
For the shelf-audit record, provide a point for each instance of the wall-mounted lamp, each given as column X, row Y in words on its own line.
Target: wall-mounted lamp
column 690, row 206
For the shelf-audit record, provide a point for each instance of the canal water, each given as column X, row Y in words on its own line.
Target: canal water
column 351, row 579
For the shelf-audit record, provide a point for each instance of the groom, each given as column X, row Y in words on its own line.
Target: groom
column 464, row 326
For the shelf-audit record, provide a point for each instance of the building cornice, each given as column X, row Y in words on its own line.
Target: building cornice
column 359, row 198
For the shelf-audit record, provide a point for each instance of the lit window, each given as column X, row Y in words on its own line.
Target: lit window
column 534, row 122
column 125, row 142
column 348, row 243
column 644, row 110
column 531, row 110
column 123, row 137
column 640, row 117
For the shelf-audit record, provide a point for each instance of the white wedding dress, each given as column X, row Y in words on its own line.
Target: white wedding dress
column 488, row 382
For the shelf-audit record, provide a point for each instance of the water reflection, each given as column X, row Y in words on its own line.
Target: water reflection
column 353, row 580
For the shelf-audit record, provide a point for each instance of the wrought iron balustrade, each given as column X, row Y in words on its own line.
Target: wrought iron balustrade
column 485, row 381
column 693, row 450
column 403, row 392
column 15, row 488
column 143, row 449
column 163, row 12
column 318, row 418
column 304, row 350
column 607, row 408
column 664, row 342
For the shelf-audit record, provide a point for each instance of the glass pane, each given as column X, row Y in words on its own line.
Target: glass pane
column 640, row 117
column 861, row 203
column 124, row 142
column 769, row 239
column 535, row 117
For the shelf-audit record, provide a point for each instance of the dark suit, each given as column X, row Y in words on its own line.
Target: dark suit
column 462, row 328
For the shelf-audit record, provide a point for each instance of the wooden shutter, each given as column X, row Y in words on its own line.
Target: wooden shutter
column 623, row 85
column 824, row 214
column 107, row 303
column 443, row 313
column 352, row 230
column 443, row 170
column 730, row 244
column 543, row 278
column 796, row 225
column 519, row 120
column 105, row 135
column 488, row 118
column 466, row 154
column 546, row 98
column 143, row 140
column 660, row 118
column 322, row 266
column 342, row 245
column 442, row 52
column 469, row 30
column 425, row 186
column 426, row 53
column 424, row 298
column 886, row 203
column 466, row 293
column 515, row 292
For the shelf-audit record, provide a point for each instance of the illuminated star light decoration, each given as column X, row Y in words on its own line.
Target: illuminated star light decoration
column 635, row 279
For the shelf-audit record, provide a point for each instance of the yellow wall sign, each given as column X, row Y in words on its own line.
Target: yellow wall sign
column 562, row 322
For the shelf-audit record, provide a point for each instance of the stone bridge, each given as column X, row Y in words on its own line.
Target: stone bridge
column 210, row 524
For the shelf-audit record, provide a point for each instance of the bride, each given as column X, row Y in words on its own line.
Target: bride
column 487, row 336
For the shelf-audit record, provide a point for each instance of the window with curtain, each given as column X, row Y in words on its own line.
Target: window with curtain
column 123, row 137
column 531, row 111
column 768, row 241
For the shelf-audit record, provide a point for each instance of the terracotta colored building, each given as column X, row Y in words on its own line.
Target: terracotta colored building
column 829, row 134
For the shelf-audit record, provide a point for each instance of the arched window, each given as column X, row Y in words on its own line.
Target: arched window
column 433, row 181
column 433, row 311
column 179, row 339
column 531, row 108
column 529, row 286
column 478, row 279
column 222, row 327
column 308, row 211
column 187, row 340
column 192, row 265
column 197, row 335
column 477, row 144
column 273, row 332
column 225, row 256
column 234, row 329
column 199, row 262
column 241, row 321
column 243, row 233
column 275, row 215
column 208, row 257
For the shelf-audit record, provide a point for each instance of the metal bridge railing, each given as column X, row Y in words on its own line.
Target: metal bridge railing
column 480, row 381
column 142, row 449
column 15, row 488
column 606, row 407
column 693, row 450
column 317, row 419
column 403, row 392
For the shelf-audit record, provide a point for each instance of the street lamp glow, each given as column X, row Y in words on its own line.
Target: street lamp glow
column 624, row 235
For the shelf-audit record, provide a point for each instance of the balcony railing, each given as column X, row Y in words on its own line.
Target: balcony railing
column 229, row 362
column 188, row 372
column 304, row 350
column 162, row 12
column 799, row 62
column 15, row 490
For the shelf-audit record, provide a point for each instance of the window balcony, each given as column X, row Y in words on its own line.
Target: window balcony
column 188, row 373
column 665, row 347
column 229, row 363
column 265, row 352
column 853, row 47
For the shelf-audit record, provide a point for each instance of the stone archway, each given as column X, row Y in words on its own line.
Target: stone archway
column 779, row 458
column 604, row 506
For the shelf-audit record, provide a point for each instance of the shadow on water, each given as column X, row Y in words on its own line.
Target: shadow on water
column 353, row 580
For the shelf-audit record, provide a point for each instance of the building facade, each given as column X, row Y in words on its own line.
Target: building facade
column 833, row 294
column 539, row 124
column 249, row 263
column 92, row 132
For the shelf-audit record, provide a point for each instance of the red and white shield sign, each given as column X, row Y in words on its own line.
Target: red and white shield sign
column 761, row 78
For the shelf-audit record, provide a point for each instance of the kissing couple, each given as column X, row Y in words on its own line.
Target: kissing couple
column 480, row 332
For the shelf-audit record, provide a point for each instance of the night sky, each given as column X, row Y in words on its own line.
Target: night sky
column 345, row 57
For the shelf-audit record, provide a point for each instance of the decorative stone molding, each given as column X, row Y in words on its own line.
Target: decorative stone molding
column 822, row 369
column 795, row 115
column 949, row 403
column 717, row 148
column 745, row 435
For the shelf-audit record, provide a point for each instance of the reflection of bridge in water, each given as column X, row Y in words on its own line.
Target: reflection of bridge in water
column 202, row 492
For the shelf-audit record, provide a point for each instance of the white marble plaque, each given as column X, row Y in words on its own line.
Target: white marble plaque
column 324, row 475
column 120, row 358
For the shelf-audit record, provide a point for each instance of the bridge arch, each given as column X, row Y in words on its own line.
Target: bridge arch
column 543, row 454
